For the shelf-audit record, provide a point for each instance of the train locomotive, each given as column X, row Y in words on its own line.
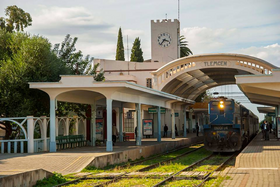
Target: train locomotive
column 230, row 127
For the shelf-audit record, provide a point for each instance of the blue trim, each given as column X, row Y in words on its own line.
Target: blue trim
column 237, row 126
column 206, row 126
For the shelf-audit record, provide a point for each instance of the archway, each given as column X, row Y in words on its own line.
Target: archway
column 188, row 77
column 62, row 127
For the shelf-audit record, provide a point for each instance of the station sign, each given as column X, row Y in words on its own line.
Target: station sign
column 154, row 110
column 271, row 114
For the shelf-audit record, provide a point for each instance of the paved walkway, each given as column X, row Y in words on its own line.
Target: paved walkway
column 66, row 161
column 257, row 165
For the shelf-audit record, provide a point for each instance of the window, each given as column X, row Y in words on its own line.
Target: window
column 149, row 83
column 129, row 121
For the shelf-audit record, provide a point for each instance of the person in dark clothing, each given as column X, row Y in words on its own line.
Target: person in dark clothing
column 270, row 127
column 165, row 130
column 135, row 132
column 197, row 129
column 176, row 131
column 262, row 128
column 266, row 129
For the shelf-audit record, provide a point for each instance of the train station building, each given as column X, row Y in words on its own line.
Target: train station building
column 158, row 91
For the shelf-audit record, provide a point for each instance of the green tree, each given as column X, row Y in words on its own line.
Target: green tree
column 184, row 50
column 136, row 52
column 73, row 60
column 120, row 48
column 25, row 59
column 17, row 19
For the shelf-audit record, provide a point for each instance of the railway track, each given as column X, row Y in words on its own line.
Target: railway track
column 123, row 175
column 203, row 176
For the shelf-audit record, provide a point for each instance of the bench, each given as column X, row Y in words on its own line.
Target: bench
column 70, row 141
column 125, row 137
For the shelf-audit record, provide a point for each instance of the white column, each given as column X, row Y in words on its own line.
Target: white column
column 173, row 123
column 56, row 126
column 159, row 124
column 109, row 143
column 67, row 124
column 93, row 124
column 139, row 124
column 185, row 122
column 76, row 126
column 30, row 133
column 44, row 134
column 52, row 126
column 121, row 123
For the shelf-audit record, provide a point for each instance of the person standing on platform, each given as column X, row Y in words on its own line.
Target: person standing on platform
column 115, row 134
column 165, row 130
column 136, row 130
column 176, row 130
column 262, row 128
column 266, row 129
column 197, row 129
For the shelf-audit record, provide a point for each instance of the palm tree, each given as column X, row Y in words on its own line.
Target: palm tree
column 184, row 50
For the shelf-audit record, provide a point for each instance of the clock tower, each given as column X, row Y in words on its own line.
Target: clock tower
column 165, row 40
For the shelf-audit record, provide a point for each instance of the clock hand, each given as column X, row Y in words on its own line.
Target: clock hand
column 162, row 41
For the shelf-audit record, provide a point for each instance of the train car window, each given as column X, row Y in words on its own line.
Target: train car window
column 227, row 103
column 215, row 103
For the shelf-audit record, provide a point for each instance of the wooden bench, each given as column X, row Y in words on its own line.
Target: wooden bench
column 70, row 141
column 125, row 137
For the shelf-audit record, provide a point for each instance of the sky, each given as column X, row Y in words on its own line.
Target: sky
column 250, row 27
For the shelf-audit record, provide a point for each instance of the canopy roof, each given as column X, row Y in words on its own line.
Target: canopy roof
column 261, row 89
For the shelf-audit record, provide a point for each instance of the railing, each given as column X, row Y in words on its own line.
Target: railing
column 38, row 145
column 13, row 146
column 27, row 126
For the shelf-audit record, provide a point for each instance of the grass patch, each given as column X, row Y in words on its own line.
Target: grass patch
column 134, row 182
column 183, row 162
column 56, row 179
column 211, row 164
column 178, row 183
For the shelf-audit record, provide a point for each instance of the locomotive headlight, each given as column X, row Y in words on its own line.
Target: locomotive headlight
column 221, row 105
column 214, row 133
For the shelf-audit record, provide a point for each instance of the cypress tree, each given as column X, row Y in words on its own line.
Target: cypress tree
column 120, row 48
column 136, row 52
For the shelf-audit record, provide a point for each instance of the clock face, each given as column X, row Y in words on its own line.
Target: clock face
column 164, row 39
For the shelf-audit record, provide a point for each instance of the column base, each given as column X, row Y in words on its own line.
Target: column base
column 121, row 138
column 138, row 141
column 159, row 139
column 93, row 142
column 109, row 145
column 52, row 146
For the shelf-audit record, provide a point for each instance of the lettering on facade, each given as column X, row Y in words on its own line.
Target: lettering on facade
column 216, row 63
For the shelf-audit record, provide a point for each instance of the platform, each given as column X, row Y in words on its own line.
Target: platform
column 257, row 165
column 74, row 160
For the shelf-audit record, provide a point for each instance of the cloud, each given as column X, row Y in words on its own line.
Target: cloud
column 269, row 53
column 205, row 40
